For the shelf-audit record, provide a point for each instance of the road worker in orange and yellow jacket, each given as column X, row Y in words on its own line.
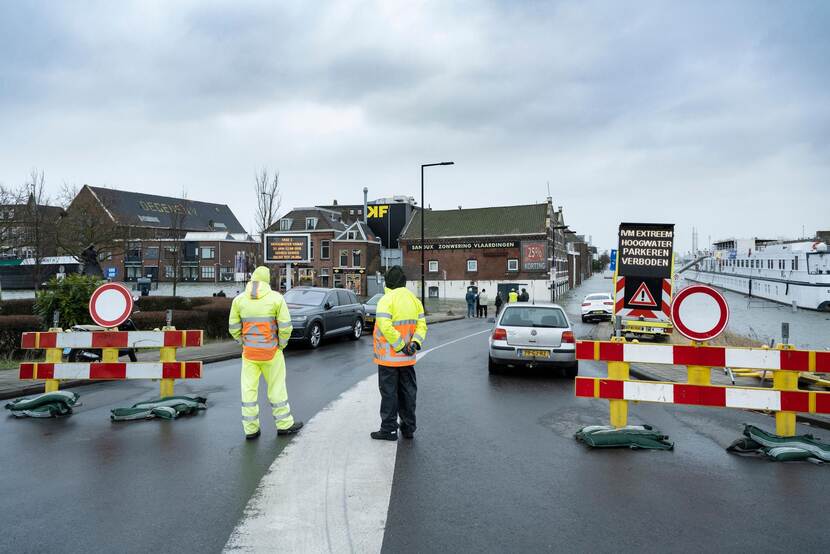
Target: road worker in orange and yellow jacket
column 260, row 320
column 400, row 330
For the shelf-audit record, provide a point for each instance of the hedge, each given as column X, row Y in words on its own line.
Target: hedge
column 12, row 327
column 182, row 319
column 216, row 317
column 21, row 306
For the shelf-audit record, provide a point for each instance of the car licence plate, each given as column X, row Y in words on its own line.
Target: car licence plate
column 597, row 312
column 536, row 353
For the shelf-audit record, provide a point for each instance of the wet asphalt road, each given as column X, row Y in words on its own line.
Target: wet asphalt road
column 495, row 468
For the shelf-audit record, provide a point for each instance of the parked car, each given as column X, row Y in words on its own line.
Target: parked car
column 318, row 313
column 597, row 306
column 371, row 307
column 533, row 335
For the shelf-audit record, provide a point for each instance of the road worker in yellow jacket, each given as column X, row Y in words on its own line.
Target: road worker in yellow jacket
column 260, row 320
column 400, row 329
column 512, row 296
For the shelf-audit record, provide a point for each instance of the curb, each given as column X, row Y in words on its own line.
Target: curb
column 821, row 423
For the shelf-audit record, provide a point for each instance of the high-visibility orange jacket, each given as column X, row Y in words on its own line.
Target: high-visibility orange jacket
column 260, row 319
column 399, row 319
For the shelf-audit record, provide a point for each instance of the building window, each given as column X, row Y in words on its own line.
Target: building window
column 190, row 273
column 208, row 272
column 324, row 277
column 134, row 251
column 344, row 258
column 310, row 223
column 151, row 253
column 208, row 252
column 170, row 252
column 325, row 249
column 133, row 272
column 310, row 250
column 433, row 266
column 513, row 265
column 168, row 271
column 285, row 224
column 472, row 265
column 355, row 258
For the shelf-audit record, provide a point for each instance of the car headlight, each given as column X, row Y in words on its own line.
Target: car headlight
column 299, row 319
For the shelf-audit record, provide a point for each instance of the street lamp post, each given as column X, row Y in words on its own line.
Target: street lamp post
column 423, row 215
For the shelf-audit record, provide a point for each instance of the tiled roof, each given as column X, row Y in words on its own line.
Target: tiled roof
column 137, row 209
column 479, row 222
column 326, row 220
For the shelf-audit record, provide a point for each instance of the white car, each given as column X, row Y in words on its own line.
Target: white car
column 533, row 335
column 597, row 306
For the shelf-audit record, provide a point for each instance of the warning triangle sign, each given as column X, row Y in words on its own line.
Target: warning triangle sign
column 643, row 297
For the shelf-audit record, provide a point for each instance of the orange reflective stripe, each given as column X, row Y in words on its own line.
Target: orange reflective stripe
column 385, row 354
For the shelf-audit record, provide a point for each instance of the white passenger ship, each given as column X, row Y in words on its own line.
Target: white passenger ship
column 781, row 271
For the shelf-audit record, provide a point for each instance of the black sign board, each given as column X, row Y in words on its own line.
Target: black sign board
column 415, row 245
column 645, row 253
column 287, row 248
column 387, row 221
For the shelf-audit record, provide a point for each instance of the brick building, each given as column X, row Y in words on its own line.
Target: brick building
column 343, row 253
column 580, row 259
column 492, row 248
column 166, row 239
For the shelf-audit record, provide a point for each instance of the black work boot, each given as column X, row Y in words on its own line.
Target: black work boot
column 407, row 434
column 384, row 436
column 291, row 430
column 252, row 436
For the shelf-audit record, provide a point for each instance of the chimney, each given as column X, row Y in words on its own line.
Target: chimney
column 365, row 202
column 334, row 202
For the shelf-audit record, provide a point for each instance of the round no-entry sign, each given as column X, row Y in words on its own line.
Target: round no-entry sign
column 699, row 312
column 111, row 305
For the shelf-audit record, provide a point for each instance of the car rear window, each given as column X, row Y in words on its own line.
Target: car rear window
column 530, row 316
column 598, row 297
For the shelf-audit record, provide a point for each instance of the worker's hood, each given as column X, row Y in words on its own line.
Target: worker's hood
column 259, row 285
column 395, row 277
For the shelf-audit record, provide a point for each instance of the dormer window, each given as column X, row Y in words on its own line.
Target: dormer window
column 310, row 223
column 285, row 224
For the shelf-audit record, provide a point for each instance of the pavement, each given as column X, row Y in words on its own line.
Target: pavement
column 210, row 352
column 493, row 467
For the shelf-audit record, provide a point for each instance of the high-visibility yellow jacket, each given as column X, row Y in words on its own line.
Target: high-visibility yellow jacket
column 259, row 318
column 512, row 296
column 399, row 319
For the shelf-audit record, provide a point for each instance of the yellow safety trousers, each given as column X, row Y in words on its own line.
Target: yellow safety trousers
column 274, row 372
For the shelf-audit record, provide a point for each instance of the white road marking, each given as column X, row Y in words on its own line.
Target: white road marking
column 329, row 490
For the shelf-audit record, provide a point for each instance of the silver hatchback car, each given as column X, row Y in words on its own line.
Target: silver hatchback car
column 533, row 335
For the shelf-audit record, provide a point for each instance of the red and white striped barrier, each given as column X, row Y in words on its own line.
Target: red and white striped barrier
column 712, row 356
column 112, row 339
column 704, row 395
column 111, row 370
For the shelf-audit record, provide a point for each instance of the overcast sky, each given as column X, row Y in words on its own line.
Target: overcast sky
column 713, row 114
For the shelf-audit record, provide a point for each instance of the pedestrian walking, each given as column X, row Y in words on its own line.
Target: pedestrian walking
column 499, row 302
column 400, row 329
column 524, row 296
column 471, row 302
column 512, row 296
column 482, row 303
column 260, row 320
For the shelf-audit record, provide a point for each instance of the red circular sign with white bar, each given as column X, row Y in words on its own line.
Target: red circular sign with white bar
column 111, row 305
column 699, row 312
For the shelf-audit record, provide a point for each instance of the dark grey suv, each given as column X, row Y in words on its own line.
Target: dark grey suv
column 318, row 313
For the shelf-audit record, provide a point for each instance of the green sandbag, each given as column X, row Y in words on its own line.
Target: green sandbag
column 631, row 436
column 168, row 407
column 781, row 449
column 47, row 404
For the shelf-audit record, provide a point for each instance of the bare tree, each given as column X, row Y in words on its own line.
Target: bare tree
column 82, row 225
column 177, row 232
column 268, row 201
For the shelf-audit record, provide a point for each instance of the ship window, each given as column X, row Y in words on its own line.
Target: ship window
column 795, row 264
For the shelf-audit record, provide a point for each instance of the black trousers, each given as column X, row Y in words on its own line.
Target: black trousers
column 398, row 390
column 482, row 310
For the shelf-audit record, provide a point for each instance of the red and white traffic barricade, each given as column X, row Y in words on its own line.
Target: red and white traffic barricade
column 110, row 305
column 701, row 313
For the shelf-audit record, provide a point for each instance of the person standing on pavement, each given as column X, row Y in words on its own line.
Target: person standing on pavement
column 260, row 320
column 524, row 296
column 499, row 302
column 482, row 303
column 512, row 296
column 471, row 302
column 400, row 329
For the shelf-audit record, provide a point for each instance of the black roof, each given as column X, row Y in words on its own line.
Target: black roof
column 326, row 220
column 137, row 209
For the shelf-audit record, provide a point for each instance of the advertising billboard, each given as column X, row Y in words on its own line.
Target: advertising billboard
column 387, row 221
column 534, row 255
column 287, row 248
